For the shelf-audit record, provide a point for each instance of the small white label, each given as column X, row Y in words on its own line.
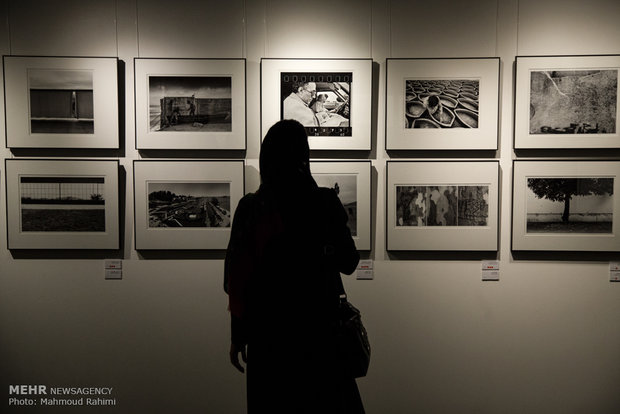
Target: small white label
column 364, row 270
column 490, row 270
column 614, row 276
column 113, row 274
column 490, row 275
column 113, row 264
column 614, row 266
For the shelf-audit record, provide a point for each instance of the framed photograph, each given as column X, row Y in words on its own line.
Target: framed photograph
column 61, row 102
column 442, row 205
column 190, row 103
column 566, row 205
column 437, row 104
column 186, row 205
column 62, row 204
column 567, row 102
column 332, row 98
column 351, row 181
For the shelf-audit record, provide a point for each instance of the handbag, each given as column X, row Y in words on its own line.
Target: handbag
column 353, row 343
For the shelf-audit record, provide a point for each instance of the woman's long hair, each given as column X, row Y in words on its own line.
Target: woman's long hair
column 285, row 160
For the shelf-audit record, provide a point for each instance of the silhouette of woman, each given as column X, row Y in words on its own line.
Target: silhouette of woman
column 289, row 241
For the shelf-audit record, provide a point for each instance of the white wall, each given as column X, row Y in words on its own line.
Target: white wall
column 544, row 339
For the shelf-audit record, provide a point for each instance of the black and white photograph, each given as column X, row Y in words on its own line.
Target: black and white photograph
column 473, row 206
column 190, row 103
column 345, row 186
column 442, row 205
column 61, row 101
column 188, row 204
column 570, row 205
column 62, row 204
column 573, row 101
column 441, row 103
column 320, row 101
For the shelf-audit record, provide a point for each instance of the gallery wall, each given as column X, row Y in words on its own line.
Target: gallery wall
column 542, row 339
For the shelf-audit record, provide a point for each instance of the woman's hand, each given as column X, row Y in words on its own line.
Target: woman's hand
column 234, row 356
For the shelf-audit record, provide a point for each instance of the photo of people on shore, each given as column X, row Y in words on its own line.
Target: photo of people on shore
column 62, row 204
column 190, row 103
column 441, row 103
column 573, row 101
column 345, row 186
column 320, row 101
column 442, row 205
column 61, row 101
column 188, row 204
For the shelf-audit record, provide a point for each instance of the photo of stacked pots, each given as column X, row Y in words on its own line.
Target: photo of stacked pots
column 441, row 103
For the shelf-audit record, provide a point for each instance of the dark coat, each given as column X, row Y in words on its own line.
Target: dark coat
column 282, row 268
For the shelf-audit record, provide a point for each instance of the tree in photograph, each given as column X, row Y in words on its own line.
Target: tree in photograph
column 563, row 189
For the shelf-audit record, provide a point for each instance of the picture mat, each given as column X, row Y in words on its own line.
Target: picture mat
column 484, row 137
column 522, row 240
column 203, row 238
column 361, row 97
column 105, row 103
column 524, row 66
column 362, row 169
column 109, row 239
column 407, row 173
column 147, row 139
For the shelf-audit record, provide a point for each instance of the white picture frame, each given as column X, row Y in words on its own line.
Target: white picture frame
column 567, row 102
column 62, row 204
column 190, row 103
column 61, row 102
column 354, row 190
column 537, row 222
column 411, row 185
column 201, row 223
column 347, row 86
column 466, row 91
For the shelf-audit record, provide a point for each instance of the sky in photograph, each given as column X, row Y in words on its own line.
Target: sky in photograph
column 211, row 87
column 195, row 189
column 347, row 184
column 60, row 79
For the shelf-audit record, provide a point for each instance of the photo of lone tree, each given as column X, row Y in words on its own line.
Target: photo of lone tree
column 570, row 205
